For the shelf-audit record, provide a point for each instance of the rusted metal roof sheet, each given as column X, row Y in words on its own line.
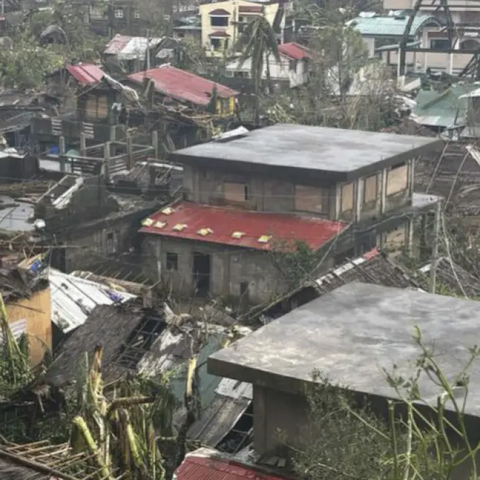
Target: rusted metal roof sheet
column 87, row 74
column 182, row 85
column 228, row 226
column 201, row 466
column 294, row 51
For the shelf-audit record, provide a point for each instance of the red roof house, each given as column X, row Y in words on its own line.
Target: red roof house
column 295, row 51
column 182, row 85
column 239, row 228
column 207, row 464
column 86, row 74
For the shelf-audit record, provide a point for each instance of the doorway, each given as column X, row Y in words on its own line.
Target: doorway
column 201, row 272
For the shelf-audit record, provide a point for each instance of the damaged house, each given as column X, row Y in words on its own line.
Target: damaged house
column 248, row 198
column 152, row 342
column 189, row 108
column 86, row 224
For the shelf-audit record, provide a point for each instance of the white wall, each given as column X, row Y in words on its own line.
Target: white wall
column 278, row 70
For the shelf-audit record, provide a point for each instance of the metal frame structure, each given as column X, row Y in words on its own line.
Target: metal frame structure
column 473, row 67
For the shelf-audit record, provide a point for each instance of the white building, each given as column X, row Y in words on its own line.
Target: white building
column 293, row 66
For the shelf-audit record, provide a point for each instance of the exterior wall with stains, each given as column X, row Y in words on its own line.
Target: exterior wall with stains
column 278, row 416
column 366, row 197
column 234, row 272
column 33, row 316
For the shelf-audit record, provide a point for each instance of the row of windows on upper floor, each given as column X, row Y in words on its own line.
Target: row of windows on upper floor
column 312, row 199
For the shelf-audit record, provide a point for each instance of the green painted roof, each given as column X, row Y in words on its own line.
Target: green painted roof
column 443, row 109
column 389, row 25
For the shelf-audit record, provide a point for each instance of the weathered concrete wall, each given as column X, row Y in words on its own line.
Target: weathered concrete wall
column 279, row 194
column 278, row 417
column 229, row 269
column 83, row 251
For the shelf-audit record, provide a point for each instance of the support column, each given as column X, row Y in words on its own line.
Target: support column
column 61, row 150
column 129, row 153
column 106, row 159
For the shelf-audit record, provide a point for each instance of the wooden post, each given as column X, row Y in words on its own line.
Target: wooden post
column 129, row 152
column 106, row 157
column 61, row 150
column 113, row 136
column 155, row 144
column 83, row 145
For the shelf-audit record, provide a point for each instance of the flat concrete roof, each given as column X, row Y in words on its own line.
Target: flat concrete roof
column 311, row 148
column 351, row 334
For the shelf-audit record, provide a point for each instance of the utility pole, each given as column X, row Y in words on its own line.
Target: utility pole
column 433, row 265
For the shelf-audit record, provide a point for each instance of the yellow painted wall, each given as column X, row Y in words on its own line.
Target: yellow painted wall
column 36, row 310
column 232, row 8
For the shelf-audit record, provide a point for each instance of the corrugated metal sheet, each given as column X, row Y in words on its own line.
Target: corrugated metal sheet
column 73, row 299
column 182, row 85
column 223, row 222
column 198, row 466
column 125, row 47
column 443, row 109
column 217, row 420
column 294, row 50
column 392, row 26
column 87, row 74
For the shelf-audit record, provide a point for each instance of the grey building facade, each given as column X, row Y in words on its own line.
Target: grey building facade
column 359, row 183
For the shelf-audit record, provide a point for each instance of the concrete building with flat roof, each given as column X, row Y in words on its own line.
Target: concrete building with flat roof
column 350, row 336
column 341, row 192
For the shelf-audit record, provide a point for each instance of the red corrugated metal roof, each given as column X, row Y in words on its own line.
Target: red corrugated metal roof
column 294, row 50
column 223, row 222
column 250, row 9
column 219, row 11
column 208, row 468
column 182, row 85
column 87, row 74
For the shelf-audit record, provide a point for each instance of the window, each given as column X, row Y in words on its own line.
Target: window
column 236, row 192
column 397, row 179
column 219, row 21
column 136, row 14
column 292, row 64
column 111, row 243
column 215, row 43
column 347, row 197
column 370, row 189
column 118, row 13
column 439, row 44
column 172, row 261
column 308, row 199
column 241, row 74
column 97, row 107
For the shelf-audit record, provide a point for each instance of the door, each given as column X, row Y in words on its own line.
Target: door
column 201, row 273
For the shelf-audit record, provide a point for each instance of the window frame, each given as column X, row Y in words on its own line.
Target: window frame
column 119, row 12
column 365, row 200
column 342, row 197
column 398, row 166
column 223, row 24
column 171, row 262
